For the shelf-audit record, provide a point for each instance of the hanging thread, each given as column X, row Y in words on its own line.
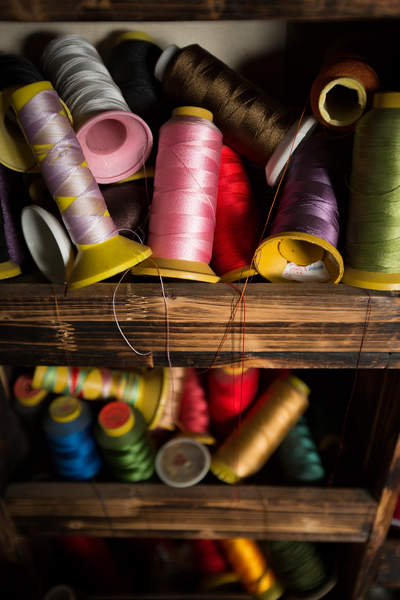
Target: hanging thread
column 256, row 576
column 102, row 252
column 251, row 121
column 373, row 226
column 230, row 393
column 238, row 220
column 194, row 416
column 182, row 219
column 302, row 242
column 298, row 564
column 68, row 429
column 299, row 457
column 132, row 63
column 15, row 153
column 249, row 446
column 122, row 436
column 340, row 92
column 115, row 142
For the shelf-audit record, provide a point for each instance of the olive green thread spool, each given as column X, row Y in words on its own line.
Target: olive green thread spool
column 373, row 228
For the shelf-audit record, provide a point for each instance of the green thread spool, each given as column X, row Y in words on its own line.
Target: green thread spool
column 373, row 230
column 122, row 435
column 298, row 455
column 298, row 565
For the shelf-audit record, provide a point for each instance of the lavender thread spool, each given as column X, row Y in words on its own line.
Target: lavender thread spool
column 302, row 242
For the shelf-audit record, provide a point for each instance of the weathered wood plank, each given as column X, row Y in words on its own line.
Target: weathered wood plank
column 134, row 10
column 318, row 326
column 213, row 511
column 389, row 564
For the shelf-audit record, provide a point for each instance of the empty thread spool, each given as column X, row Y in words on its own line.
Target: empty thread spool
column 101, row 251
column 182, row 462
column 298, row 564
column 373, row 226
column 182, row 218
column 68, row 429
column 149, row 391
column 132, row 63
column 238, row 220
column 122, row 436
column 15, row 153
column 115, row 142
column 299, row 457
column 251, row 121
column 256, row 576
column 249, row 446
column 340, row 92
column 230, row 392
column 301, row 245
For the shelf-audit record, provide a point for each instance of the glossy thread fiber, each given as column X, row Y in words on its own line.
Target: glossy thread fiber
column 298, row 564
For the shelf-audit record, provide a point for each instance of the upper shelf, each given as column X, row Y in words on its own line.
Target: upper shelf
column 299, row 326
column 164, row 10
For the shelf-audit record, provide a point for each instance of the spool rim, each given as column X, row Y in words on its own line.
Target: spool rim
column 223, row 472
column 193, row 111
column 164, row 395
column 348, row 83
column 65, row 409
column 268, row 252
column 164, row 60
column 239, row 273
column 15, row 153
column 371, row 280
column 109, row 415
column 133, row 35
column 386, row 100
column 202, row 471
column 34, row 396
column 179, row 269
column 9, row 269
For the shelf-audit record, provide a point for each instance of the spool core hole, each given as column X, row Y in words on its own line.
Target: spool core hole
column 106, row 136
column 343, row 104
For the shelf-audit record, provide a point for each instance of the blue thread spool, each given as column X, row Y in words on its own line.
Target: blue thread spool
column 68, row 429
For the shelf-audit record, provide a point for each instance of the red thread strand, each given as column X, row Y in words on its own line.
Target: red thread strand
column 194, row 415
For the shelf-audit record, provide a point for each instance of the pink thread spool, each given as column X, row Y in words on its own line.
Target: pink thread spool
column 182, row 220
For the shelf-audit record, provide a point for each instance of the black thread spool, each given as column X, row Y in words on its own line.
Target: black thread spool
column 15, row 153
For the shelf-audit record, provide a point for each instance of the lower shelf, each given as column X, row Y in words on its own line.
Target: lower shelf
column 204, row 511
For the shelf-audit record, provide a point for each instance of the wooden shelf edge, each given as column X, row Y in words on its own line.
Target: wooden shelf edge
column 299, row 326
column 212, row 511
column 161, row 10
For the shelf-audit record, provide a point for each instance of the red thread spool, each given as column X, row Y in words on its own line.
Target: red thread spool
column 340, row 92
column 238, row 220
column 209, row 558
column 194, row 416
column 231, row 391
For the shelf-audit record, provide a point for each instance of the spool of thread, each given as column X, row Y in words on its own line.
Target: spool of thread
column 302, row 242
column 154, row 392
column 60, row 592
column 298, row 564
column 132, row 63
column 68, row 429
column 122, row 436
column 299, row 457
column 249, row 446
column 182, row 218
column 115, row 142
column 255, row 574
column 182, row 462
column 29, row 401
column 194, row 416
column 15, row 153
column 238, row 220
column 212, row 566
column 340, row 92
column 48, row 243
column 373, row 226
column 231, row 390
column 101, row 251
column 251, row 121
column 8, row 268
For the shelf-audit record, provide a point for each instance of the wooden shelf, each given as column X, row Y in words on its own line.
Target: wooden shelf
column 205, row 511
column 299, row 326
column 389, row 564
column 164, row 10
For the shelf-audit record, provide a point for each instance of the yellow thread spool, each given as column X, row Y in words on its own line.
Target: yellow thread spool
column 249, row 447
column 249, row 563
column 94, row 262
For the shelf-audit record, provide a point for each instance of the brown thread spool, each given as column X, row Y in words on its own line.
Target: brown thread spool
column 252, row 122
column 252, row 569
column 249, row 446
column 340, row 92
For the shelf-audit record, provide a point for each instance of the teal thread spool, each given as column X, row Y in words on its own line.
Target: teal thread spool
column 122, row 436
column 373, row 229
column 298, row 565
column 298, row 455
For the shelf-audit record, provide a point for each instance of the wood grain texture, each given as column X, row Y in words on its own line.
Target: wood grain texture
column 134, row 10
column 298, row 326
column 205, row 511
